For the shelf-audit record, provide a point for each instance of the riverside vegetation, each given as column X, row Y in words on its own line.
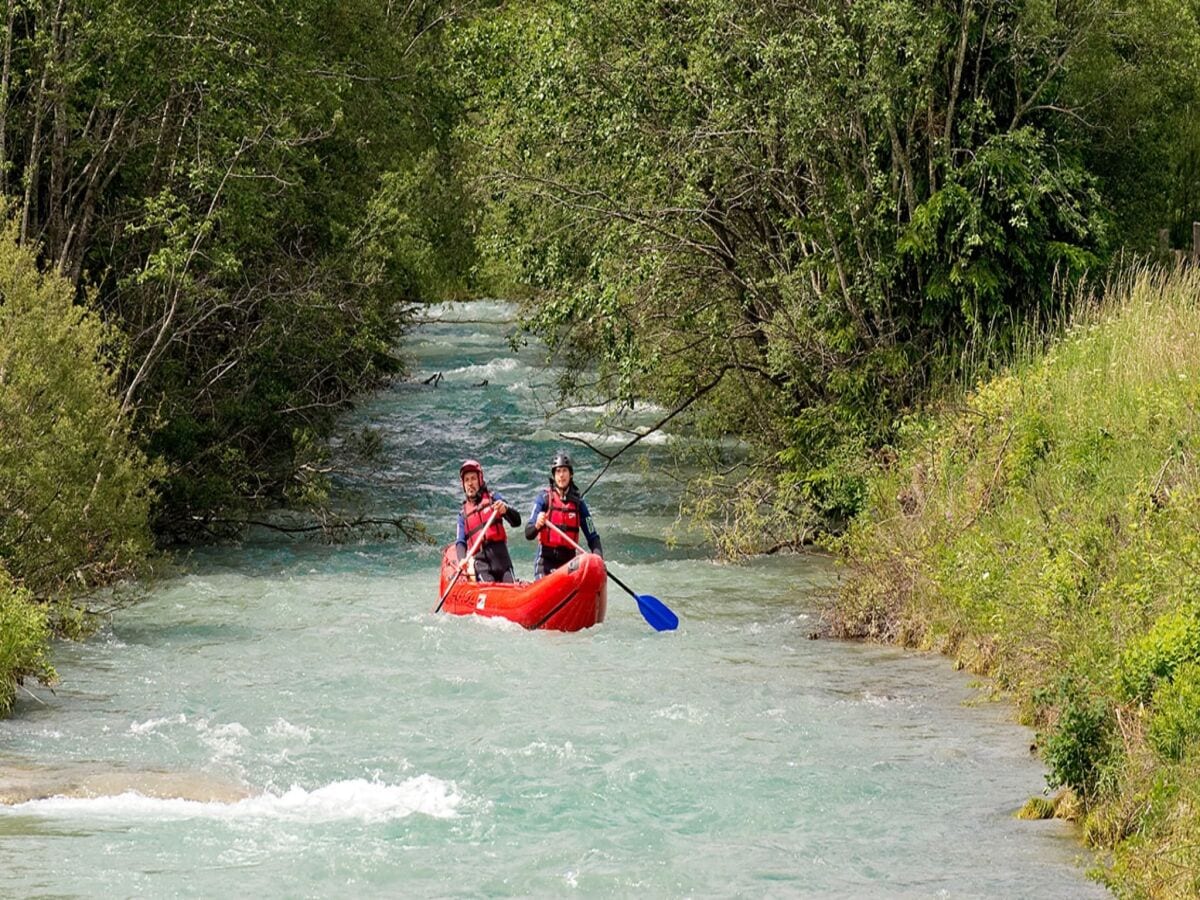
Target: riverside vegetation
column 217, row 219
column 1045, row 530
column 796, row 225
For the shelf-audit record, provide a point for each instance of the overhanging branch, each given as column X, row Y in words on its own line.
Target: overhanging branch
column 610, row 458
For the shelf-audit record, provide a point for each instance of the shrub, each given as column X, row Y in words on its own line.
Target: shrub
column 1080, row 742
column 1173, row 641
column 74, row 490
column 1175, row 725
column 24, row 636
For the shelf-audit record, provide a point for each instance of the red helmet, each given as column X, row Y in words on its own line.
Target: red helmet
column 470, row 465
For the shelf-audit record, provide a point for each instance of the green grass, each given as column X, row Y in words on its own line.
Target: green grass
column 1045, row 529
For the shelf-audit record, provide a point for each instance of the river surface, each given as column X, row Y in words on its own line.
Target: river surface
column 386, row 751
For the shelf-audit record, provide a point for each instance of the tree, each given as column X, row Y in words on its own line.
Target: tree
column 817, row 205
column 75, row 491
column 210, row 167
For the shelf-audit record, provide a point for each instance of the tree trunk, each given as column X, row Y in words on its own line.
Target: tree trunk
column 29, row 216
column 5, row 80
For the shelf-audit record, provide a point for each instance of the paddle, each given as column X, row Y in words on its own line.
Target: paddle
column 470, row 555
column 653, row 610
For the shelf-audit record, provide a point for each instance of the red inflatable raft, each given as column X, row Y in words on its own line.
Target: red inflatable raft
column 570, row 599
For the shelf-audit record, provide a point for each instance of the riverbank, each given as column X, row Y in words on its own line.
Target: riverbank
column 1046, row 531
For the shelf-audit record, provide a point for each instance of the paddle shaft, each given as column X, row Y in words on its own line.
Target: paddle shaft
column 566, row 537
column 470, row 555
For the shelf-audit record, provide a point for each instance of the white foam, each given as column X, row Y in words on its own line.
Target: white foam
column 224, row 740
column 499, row 311
column 492, row 370
column 683, row 712
column 284, row 729
column 498, row 622
column 593, row 438
column 152, row 725
column 610, row 407
column 541, row 748
column 884, row 700
column 355, row 800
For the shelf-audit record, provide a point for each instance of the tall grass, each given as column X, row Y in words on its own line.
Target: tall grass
column 1045, row 529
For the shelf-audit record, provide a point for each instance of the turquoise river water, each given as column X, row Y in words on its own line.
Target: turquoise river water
column 385, row 751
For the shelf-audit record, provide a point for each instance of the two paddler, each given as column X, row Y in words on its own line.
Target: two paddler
column 560, row 504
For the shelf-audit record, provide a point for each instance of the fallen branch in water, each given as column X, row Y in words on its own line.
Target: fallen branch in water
column 31, row 693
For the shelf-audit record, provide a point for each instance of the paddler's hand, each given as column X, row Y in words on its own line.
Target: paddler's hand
column 468, row 566
column 541, row 521
column 501, row 508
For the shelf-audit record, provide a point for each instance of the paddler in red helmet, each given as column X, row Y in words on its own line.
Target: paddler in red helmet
column 492, row 562
column 562, row 504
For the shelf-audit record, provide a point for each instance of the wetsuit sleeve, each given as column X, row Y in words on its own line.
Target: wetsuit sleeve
column 512, row 517
column 539, row 505
column 460, row 540
column 589, row 529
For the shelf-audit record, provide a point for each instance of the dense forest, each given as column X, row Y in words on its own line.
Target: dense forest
column 808, row 225
column 218, row 219
column 803, row 218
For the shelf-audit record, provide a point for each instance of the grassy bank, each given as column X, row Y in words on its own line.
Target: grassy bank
column 1046, row 531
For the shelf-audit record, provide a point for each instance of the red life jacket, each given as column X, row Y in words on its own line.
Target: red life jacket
column 564, row 514
column 475, row 516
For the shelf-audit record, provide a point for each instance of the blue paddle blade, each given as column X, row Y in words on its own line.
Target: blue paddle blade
column 657, row 613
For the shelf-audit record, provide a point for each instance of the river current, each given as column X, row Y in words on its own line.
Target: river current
column 286, row 718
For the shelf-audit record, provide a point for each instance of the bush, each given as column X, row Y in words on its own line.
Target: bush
column 1080, row 741
column 1175, row 725
column 1172, row 642
column 24, row 636
column 74, row 489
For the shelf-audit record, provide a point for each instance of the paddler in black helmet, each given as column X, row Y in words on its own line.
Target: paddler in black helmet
column 563, row 505
column 492, row 562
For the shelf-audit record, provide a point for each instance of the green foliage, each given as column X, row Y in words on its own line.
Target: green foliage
column 1175, row 727
column 24, row 640
column 260, row 194
column 1082, row 739
column 831, row 206
column 1146, row 151
column 75, row 491
column 1172, row 642
column 1012, row 214
column 824, row 462
column 1045, row 528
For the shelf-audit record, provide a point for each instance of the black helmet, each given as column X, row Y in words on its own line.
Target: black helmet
column 561, row 458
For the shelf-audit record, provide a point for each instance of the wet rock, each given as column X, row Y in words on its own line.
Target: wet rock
column 21, row 783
